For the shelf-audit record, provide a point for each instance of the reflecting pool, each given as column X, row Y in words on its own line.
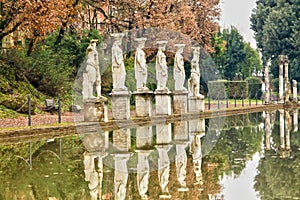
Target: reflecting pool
column 250, row 156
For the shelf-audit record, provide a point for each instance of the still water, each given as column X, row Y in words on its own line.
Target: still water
column 251, row 156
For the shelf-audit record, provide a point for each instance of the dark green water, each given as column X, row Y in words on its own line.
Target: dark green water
column 251, row 156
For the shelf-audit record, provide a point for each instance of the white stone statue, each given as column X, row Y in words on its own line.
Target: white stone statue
column 295, row 91
column 140, row 65
column 118, row 67
column 179, row 73
column 161, row 66
column 91, row 74
column 194, row 80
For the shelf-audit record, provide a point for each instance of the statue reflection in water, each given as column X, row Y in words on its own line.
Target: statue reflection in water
column 96, row 145
column 181, row 139
column 122, row 145
column 143, row 149
column 196, row 132
column 163, row 140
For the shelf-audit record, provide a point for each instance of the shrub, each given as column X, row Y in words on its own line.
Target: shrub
column 223, row 88
column 254, row 86
column 238, row 88
column 218, row 88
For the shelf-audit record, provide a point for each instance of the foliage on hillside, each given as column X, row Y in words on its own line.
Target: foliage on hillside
column 48, row 72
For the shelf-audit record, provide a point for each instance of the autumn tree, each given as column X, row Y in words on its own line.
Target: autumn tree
column 197, row 19
column 35, row 18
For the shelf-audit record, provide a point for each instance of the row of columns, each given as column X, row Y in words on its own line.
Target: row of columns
column 285, row 89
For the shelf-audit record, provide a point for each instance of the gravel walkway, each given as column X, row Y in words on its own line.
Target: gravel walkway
column 38, row 119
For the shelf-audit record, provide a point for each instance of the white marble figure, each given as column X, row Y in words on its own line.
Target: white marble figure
column 91, row 74
column 179, row 73
column 118, row 67
column 143, row 172
column 161, row 66
column 140, row 65
column 194, row 80
column 295, row 91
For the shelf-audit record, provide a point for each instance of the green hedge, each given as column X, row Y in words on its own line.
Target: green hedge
column 230, row 88
column 216, row 88
column 254, row 86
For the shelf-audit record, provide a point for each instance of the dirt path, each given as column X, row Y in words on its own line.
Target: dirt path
column 39, row 119
column 44, row 119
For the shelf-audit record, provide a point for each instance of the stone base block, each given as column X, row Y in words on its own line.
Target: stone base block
column 143, row 104
column 195, row 104
column 121, row 105
column 163, row 134
column 162, row 103
column 95, row 109
column 180, row 102
column 196, row 126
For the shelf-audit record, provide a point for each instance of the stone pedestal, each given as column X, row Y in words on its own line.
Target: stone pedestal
column 163, row 102
column 120, row 104
column 195, row 104
column 121, row 140
column 163, row 133
column 196, row 126
column 95, row 109
column 180, row 102
column 143, row 105
column 143, row 137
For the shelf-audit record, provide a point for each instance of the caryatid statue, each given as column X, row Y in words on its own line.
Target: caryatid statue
column 194, row 80
column 161, row 66
column 140, row 65
column 118, row 67
column 91, row 74
column 179, row 73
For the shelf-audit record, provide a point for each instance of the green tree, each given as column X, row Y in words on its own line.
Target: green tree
column 276, row 27
column 233, row 56
column 252, row 62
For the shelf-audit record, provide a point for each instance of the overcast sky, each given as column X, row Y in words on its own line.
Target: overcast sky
column 237, row 13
